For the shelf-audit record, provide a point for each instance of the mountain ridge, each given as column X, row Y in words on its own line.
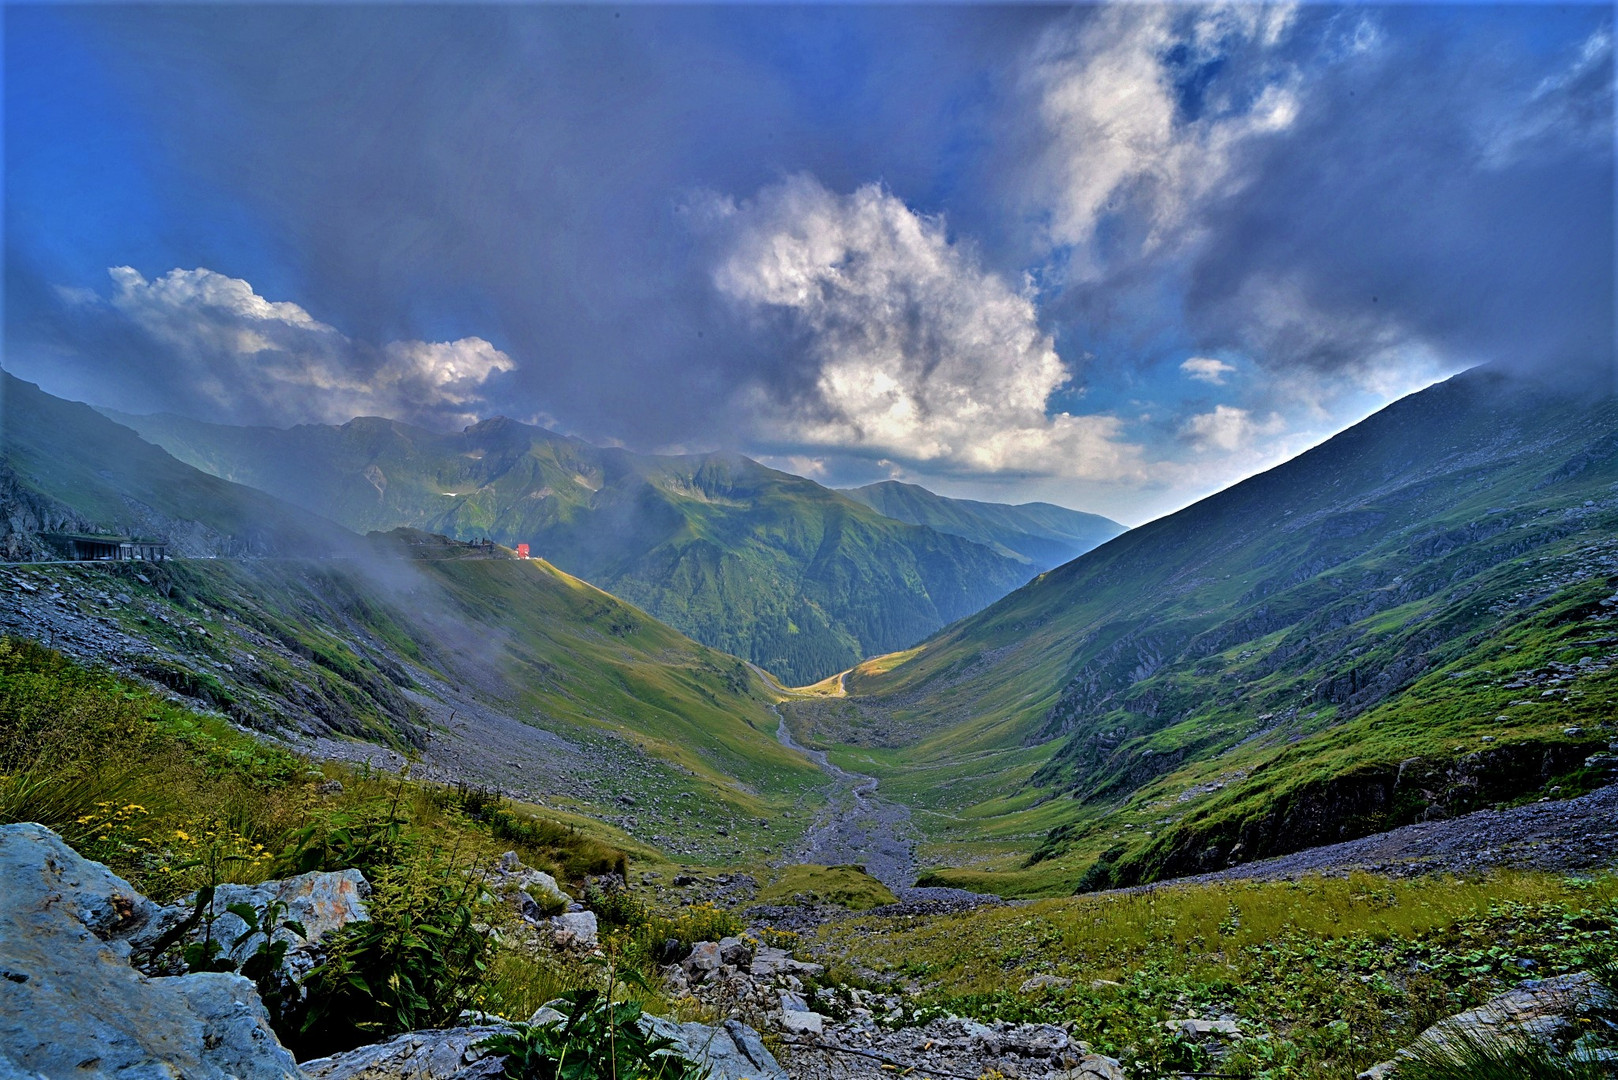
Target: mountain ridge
column 1316, row 604
column 774, row 567
column 1043, row 534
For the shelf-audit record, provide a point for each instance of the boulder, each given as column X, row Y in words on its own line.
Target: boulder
column 1543, row 1010
column 728, row 1051
column 448, row 1054
column 802, row 1023
column 72, row 1006
column 1044, row 982
column 704, row 960
column 576, row 928
column 735, row 952
column 322, row 901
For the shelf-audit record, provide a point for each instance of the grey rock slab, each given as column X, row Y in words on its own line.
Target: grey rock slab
column 444, row 1054
column 71, row 1005
column 1044, row 982
column 769, row 962
column 322, row 901
column 1542, row 1009
column 729, row 1051
column 802, row 1022
column 576, row 928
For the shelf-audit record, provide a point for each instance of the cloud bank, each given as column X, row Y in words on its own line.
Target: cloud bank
column 916, row 352
column 271, row 362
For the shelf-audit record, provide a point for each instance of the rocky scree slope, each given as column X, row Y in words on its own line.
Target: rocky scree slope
column 1415, row 617
column 772, row 567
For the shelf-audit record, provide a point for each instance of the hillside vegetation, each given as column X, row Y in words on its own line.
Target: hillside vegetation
column 772, row 567
column 1415, row 617
column 66, row 468
column 506, row 671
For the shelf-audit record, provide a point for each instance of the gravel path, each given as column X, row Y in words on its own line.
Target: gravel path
column 1572, row 834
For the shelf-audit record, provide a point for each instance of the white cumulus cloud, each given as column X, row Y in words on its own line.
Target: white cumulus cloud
column 1228, row 429
column 917, row 352
column 1207, row 369
column 272, row 362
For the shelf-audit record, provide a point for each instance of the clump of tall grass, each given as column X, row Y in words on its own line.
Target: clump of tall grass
column 1467, row 1055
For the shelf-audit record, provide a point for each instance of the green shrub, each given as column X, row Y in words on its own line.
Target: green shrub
column 596, row 1040
column 416, row 963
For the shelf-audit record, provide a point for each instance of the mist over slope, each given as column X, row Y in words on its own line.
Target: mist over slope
column 66, row 468
column 1042, row 534
column 1310, row 654
column 760, row 563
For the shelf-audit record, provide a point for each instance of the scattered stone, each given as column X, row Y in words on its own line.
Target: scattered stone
column 1044, row 982
column 1099, row 1067
column 1193, row 1028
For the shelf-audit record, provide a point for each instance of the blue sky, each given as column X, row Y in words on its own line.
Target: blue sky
column 1110, row 256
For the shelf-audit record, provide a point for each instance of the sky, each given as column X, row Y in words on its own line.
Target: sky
column 1113, row 257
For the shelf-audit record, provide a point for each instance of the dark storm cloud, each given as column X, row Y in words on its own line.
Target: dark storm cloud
column 518, row 174
column 1440, row 191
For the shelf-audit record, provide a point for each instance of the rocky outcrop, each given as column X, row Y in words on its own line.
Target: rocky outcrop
column 1550, row 1012
column 72, row 1006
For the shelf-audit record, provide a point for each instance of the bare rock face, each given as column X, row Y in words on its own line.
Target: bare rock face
column 72, row 1006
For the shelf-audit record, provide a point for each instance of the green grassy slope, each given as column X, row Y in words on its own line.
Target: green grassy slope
column 1246, row 676
column 760, row 563
column 68, row 466
column 1041, row 534
column 388, row 649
